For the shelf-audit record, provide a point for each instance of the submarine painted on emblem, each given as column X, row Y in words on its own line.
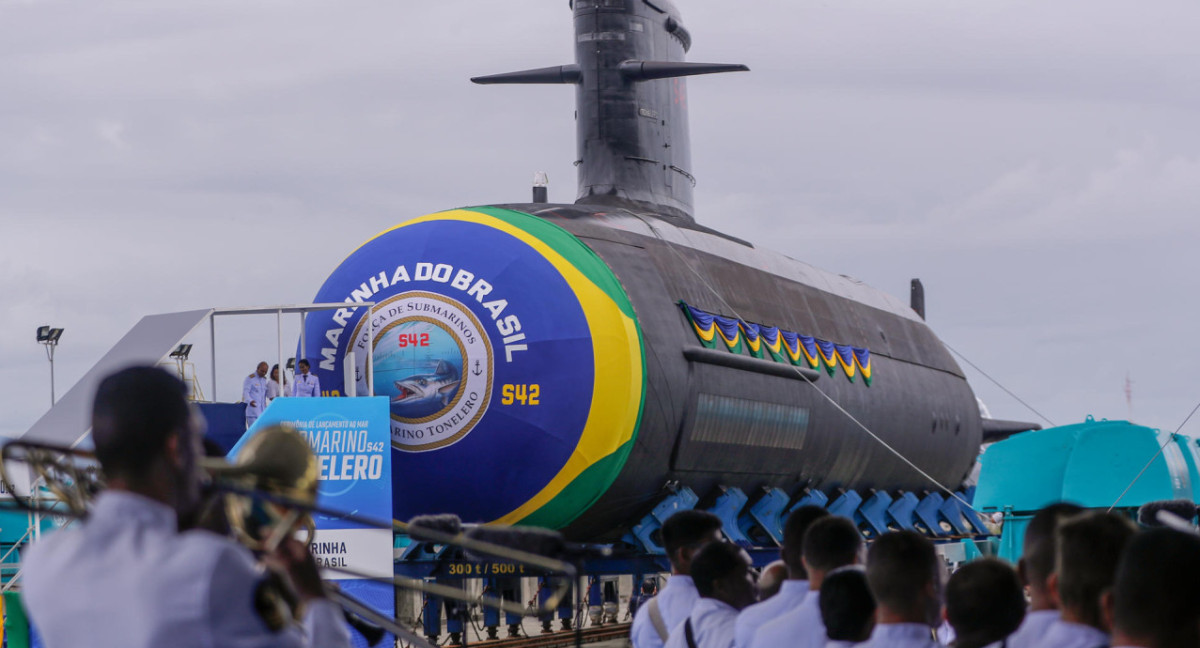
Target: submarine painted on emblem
column 566, row 365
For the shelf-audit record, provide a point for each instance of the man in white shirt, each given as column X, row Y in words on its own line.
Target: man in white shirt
column 723, row 577
column 793, row 590
column 254, row 393
column 902, row 569
column 307, row 385
column 125, row 577
column 684, row 534
column 985, row 602
column 831, row 542
column 1089, row 547
column 1155, row 602
column 1034, row 567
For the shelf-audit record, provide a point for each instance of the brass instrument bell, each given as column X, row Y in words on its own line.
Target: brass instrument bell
column 278, row 461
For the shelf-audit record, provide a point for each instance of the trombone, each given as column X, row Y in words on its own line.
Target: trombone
column 270, row 492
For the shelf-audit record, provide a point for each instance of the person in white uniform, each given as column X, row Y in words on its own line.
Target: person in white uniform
column 254, row 393
column 684, row 534
column 724, row 578
column 1034, row 567
column 793, row 590
column 847, row 607
column 985, row 603
column 307, row 385
column 1155, row 602
column 902, row 569
column 1089, row 547
column 830, row 543
column 125, row 577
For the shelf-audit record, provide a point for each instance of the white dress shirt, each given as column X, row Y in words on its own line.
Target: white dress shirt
column 1033, row 628
column 126, row 578
column 712, row 625
column 900, row 635
column 273, row 390
column 798, row 628
column 1064, row 634
column 675, row 602
column 307, row 385
column 749, row 620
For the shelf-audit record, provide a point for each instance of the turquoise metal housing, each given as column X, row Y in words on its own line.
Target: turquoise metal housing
column 1090, row 464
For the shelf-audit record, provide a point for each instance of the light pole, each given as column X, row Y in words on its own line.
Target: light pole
column 180, row 356
column 48, row 337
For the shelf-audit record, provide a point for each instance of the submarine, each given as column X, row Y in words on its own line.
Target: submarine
column 590, row 358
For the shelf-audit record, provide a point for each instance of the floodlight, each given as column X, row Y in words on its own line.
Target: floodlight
column 48, row 337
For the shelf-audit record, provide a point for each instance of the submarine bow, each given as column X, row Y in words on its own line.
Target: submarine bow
column 542, row 375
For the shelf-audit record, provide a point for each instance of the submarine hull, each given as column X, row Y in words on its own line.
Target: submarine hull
column 629, row 397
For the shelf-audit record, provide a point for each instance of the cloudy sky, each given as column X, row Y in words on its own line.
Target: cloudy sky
column 1036, row 163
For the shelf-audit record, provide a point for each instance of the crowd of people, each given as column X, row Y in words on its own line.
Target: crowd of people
column 1086, row 579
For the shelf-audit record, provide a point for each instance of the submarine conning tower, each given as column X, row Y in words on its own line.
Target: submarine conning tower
column 631, row 104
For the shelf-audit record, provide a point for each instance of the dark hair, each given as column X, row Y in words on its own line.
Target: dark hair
column 831, row 542
column 134, row 413
column 716, row 560
column 1155, row 594
column 1038, row 552
column 847, row 605
column 1089, row 547
column 304, row 362
column 899, row 566
column 985, row 602
column 793, row 534
column 687, row 528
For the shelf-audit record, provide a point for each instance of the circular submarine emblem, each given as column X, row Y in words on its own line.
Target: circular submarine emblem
column 433, row 361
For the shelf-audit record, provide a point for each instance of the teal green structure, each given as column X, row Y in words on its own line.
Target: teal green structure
column 1091, row 464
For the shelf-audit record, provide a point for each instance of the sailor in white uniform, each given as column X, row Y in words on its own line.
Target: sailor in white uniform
column 1035, row 567
column 254, row 393
column 831, row 543
column 723, row 576
column 127, row 578
column 1089, row 549
column 1154, row 601
column 684, row 534
column 793, row 590
column 307, row 385
column 1064, row 634
column 791, row 595
column 902, row 569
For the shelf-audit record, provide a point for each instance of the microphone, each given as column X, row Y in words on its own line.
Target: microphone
column 1150, row 513
column 534, row 540
column 445, row 523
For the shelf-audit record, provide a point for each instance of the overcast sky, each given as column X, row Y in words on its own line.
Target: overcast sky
column 1036, row 163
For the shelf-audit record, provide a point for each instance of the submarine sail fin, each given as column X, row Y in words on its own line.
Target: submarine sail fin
column 566, row 74
column 650, row 70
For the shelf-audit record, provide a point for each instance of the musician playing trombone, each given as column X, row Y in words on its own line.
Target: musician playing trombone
column 127, row 577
